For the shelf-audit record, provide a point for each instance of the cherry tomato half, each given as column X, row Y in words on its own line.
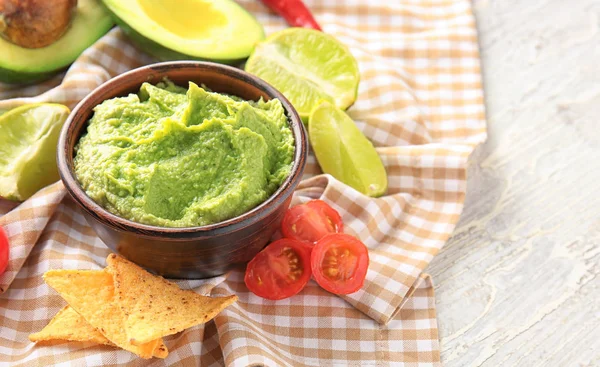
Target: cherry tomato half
column 280, row 270
column 3, row 251
column 339, row 263
column 311, row 221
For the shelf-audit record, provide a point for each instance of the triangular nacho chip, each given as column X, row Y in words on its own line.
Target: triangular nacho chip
column 155, row 307
column 69, row 325
column 161, row 350
column 91, row 293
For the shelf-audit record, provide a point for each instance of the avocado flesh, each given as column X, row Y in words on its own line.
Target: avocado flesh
column 213, row 30
column 22, row 65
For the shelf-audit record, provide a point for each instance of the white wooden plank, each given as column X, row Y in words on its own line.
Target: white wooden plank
column 518, row 284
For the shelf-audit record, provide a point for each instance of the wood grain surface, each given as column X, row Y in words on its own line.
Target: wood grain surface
column 518, row 284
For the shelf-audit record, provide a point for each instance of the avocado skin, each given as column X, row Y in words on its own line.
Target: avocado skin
column 160, row 52
column 23, row 78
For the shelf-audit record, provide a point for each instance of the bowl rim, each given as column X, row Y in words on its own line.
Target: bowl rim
column 258, row 213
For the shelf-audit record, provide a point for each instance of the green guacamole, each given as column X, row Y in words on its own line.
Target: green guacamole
column 172, row 157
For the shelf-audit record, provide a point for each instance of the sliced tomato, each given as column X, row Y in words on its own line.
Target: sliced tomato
column 339, row 263
column 280, row 270
column 3, row 251
column 311, row 221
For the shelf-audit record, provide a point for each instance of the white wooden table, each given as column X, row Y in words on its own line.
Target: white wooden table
column 519, row 282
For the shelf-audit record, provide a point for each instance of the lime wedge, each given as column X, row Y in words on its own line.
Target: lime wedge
column 306, row 66
column 344, row 152
column 28, row 137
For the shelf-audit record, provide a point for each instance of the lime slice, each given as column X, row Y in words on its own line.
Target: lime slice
column 344, row 152
column 306, row 66
column 28, row 137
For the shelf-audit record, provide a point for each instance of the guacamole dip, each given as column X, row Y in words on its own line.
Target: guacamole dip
column 172, row 157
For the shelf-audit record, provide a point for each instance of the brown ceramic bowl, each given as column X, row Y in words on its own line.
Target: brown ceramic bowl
column 191, row 252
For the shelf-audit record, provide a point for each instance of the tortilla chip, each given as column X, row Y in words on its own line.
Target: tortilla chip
column 69, row 325
column 91, row 294
column 155, row 307
column 161, row 350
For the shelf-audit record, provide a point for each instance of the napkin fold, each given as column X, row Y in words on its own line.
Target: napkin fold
column 421, row 104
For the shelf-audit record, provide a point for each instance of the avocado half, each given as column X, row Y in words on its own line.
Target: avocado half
column 214, row 30
column 26, row 65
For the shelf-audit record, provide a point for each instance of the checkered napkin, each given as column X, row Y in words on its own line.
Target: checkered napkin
column 420, row 102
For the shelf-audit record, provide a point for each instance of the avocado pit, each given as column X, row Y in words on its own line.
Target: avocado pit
column 35, row 23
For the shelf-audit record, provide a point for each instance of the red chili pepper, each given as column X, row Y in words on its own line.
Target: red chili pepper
column 294, row 12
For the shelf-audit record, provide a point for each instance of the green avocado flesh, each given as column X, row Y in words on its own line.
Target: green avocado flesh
column 175, row 158
column 23, row 65
column 216, row 30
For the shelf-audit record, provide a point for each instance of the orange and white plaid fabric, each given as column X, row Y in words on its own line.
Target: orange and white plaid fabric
column 420, row 102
